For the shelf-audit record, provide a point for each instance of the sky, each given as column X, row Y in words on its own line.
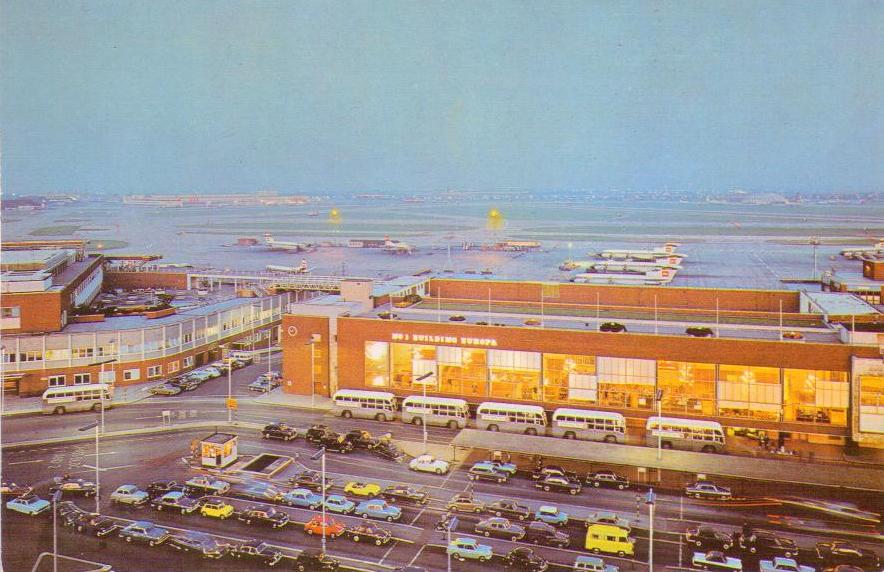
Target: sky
column 323, row 97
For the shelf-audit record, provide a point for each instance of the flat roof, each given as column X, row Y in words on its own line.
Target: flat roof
column 39, row 258
column 219, row 438
column 840, row 303
column 387, row 287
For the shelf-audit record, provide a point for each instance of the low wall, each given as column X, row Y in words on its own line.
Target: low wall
column 135, row 280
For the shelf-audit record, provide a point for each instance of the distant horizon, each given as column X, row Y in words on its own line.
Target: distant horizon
column 178, row 96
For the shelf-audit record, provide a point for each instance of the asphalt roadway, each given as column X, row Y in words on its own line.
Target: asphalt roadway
column 142, row 458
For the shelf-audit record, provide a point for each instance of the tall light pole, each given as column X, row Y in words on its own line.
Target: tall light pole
column 650, row 501
column 95, row 425
column 229, row 388
column 312, row 344
column 101, row 364
column 321, row 454
column 658, row 397
column 55, row 496
column 424, row 408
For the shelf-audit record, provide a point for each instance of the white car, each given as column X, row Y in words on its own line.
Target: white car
column 213, row 372
column 783, row 565
column 429, row 464
column 716, row 560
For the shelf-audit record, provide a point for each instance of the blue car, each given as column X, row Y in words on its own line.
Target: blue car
column 469, row 549
column 303, row 498
column 28, row 504
column 378, row 508
column 551, row 515
column 144, row 531
column 339, row 504
column 177, row 500
column 508, row 468
column 129, row 494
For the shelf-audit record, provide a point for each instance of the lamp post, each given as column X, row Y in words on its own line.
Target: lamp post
column 55, row 496
column 452, row 524
column 650, row 501
column 424, row 406
column 101, row 364
column 229, row 388
column 95, row 425
column 312, row 344
column 321, row 454
column 658, row 397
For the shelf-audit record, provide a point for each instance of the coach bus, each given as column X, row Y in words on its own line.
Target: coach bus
column 588, row 425
column 687, row 434
column 378, row 405
column 440, row 411
column 510, row 417
column 71, row 398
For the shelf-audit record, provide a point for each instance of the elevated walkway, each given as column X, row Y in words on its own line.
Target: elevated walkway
column 806, row 473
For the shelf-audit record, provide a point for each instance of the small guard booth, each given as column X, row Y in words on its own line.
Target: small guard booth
column 218, row 450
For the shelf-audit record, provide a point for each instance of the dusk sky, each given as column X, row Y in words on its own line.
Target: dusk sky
column 317, row 97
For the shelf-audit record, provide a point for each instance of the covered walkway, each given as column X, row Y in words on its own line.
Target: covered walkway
column 785, row 471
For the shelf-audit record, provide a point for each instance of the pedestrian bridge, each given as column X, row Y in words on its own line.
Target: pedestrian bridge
column 295, row 282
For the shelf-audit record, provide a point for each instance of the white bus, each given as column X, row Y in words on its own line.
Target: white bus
column 69, row 398
column 441, row 411
column 688, row 434
column 510, row 417
column 588, row 425
column 379, row 405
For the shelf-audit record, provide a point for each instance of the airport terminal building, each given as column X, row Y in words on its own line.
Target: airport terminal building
column 807, row 365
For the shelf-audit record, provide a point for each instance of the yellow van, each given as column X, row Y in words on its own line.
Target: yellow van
column 609, row 538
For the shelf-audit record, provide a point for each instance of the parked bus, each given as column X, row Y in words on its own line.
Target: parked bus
column 588, row 425
column 441, row 411
column 70, row 398
column 510, row 417
column 378, row 405
column 688, row 434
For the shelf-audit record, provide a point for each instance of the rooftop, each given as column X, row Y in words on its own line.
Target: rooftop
column 838, row 303
column 35, row 259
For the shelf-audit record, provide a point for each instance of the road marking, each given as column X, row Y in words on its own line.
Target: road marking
column 103, row 469
column 150, row 417
column 416, row 556
column 387, row 553
column 24, row 462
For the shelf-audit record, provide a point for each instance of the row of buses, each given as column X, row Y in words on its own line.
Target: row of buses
column 583, row 424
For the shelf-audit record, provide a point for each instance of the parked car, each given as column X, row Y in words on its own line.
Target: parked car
column 378, row 508
column 465, row 502
column 360, row 439
column 607, row 517
column 264, row 514
column 177, row 500
column 429, row 464
column 545, row 534
column 304, row 498
column 699, row 331
column 12, row 490
column 550, row 470
column 593, row 564
column 612, row 327
column 263, row 385
column 314, row 560
column 508, row 508
column 551, row 515
column 203, row 544
column 504, row 467
column 165, row 389
column 144, row 531
column 843, row 552
column 608, row 479
column 333, row 527
column 212, row 372
column 257, row 490
column 217, row 509
column 130, row 495
column 208, row 485
column 335, row 443
column 29, row 504
column 316, row 433
column 386, row 449
column 310, row 480
column 464, row 549
column 406, row 493
column 559, row 483
column 370, row 533
column 257, row 551
column 709, row 538
column 362, row 489
column 780, row 564
column 487, row 472
column 524, row 558
column 499, row 527
column 716, row 560
column 339, row 504
column 159, row 488
column 73, row 486
column 188, row 383
column 768, row 544
column 279, row 430
column 95, row 524
column 707, row 490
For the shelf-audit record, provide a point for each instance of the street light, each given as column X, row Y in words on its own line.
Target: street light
column 658, row 397
column 452, row 524
column 650, row 501
column 95, row 425
column 318, row 454
column 101, row 364
column 424, row 406
column 55, row 496
column 229, row 387
column 312, row 344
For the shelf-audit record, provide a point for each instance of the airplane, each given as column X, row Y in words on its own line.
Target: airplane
column 673, row 262
column 397, row 247
column 274, row 244
column 653, row 276
column 301, row 268
column 666, row 251
column 869, row 251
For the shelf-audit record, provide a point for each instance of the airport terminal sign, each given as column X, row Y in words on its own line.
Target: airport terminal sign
column 454, row 340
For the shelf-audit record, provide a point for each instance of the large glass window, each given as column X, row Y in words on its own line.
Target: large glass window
column 514, row 375
column 411, row 361
column 817, row 396
column 687, row 387
column 462, row 371
column 871, row 403
column 377, row 364
column 569, row 377
column 747, row 391
column 627, row 383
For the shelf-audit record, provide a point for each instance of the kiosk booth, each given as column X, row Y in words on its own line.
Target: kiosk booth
column 218, row 450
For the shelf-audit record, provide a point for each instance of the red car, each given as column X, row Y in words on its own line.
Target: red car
column 333, row 528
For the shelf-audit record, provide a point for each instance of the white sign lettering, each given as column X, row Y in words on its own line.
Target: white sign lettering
column 454, row 340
